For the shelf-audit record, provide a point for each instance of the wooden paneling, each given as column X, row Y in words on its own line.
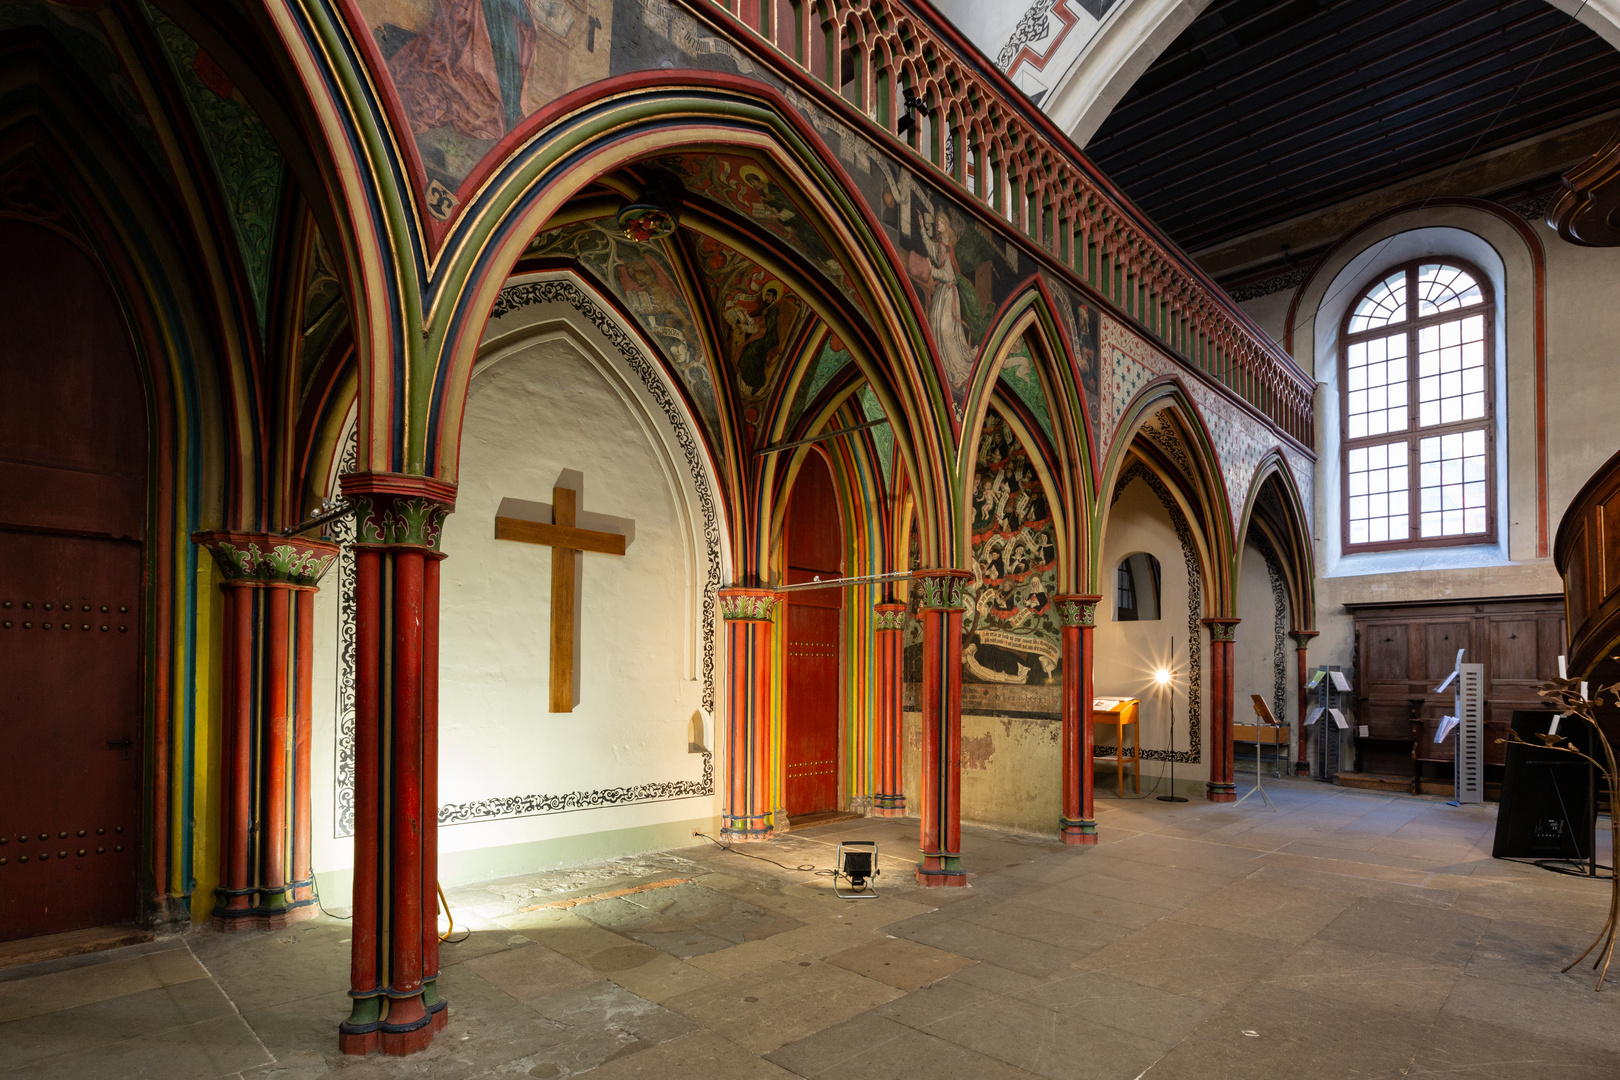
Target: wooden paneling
column 1403, row 651
column 1587, row 554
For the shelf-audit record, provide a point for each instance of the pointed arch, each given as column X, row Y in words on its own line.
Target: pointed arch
column 1286, row 524
column 1200, row 486
column 1031, row 317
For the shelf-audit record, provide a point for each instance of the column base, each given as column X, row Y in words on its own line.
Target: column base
column 410, row 1027
column 1302, row 768
column 234, row 920
column 936, row 871
column 1083, row 831
column 1221, row 792
column 740, row 833
column 888, row 806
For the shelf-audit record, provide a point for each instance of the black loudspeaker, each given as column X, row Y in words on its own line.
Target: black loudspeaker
column 1548, row 808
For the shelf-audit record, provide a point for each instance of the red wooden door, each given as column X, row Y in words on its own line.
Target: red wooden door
column 73, row 446
column 810, row 624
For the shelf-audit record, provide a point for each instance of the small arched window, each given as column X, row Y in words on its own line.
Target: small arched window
column 1417, row 409
column 1136, row 596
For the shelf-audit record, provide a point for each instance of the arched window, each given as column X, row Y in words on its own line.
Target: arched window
column 1417, row 409
column 1136, row 597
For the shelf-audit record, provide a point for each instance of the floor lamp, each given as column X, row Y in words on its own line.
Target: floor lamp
column 1163, row 677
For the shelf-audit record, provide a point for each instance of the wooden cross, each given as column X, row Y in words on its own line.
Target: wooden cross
column 566, row 542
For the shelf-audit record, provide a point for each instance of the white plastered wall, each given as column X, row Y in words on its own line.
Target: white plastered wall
column 1582, row 322
column 1256, row 657
column 551, row 393
column 1129, row 653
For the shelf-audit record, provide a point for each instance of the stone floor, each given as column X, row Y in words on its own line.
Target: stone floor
column 1348, row 934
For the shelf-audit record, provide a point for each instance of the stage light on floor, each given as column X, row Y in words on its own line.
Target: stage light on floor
column 856, row 864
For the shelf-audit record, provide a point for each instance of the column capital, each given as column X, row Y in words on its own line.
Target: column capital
column 1302, row 638
column 1080, row 610
column 943, row 590
column 888, row 617
column 742, row 604
column 249, row 558
column 1222, row 629
column 397, row 509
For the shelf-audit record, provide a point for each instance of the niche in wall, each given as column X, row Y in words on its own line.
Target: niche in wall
column 1136, row 588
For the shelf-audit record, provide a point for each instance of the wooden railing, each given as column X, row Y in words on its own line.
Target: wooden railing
column 974, row 128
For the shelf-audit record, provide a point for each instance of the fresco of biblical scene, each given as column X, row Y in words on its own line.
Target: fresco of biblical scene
column 742, row 184
column 469, row 71
column 757, row 318
column 952, row 265
column 1083, row 323
column 1010, row 632
column 641, row 277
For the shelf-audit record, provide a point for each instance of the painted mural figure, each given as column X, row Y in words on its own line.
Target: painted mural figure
column 945, row 302
column 468, row 68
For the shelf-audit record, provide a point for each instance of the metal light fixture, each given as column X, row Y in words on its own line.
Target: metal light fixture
column 1162, row 677
column 856, row 864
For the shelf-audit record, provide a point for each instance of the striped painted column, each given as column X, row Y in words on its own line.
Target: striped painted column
column 747, row 814
column 1302, row 642
column 1077, row 823
column 394, row 951
column 888, row 643
column 942, row 595
column 268, row 585
column 1222, row 765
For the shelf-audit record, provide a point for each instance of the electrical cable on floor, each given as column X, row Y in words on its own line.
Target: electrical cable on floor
column 444, row 904
column 803, row 868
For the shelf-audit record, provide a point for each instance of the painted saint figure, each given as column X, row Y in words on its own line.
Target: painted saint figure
column 945, row 302
column 468, row 70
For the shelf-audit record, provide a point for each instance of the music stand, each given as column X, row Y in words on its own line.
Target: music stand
column 1263, row 719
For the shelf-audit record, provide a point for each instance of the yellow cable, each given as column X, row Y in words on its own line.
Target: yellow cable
column 445, row 904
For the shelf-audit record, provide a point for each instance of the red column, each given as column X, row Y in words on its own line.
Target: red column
column 1302, row 640
column 273, row 812
column 269, row 588
column 1222, row 638
column 1078, row 823
column 942, row 594
column 236, row 897
column 747, row 614
column 888, row 643
column 303, row 885
column 394, row 962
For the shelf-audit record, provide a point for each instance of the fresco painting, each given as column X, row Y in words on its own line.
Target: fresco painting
column 1018, row 372
column 1010, row 632
column 955, row 295
column 757, row 318
column 832, row 360
column 641, row 277
column 742, row 184
column 469, row 71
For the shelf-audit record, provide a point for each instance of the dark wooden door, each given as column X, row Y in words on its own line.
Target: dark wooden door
column 811, row 630
column 73, row 445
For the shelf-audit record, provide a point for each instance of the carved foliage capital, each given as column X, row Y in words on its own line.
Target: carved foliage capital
column 943, row 590
column 1222, row 630
column 1078, row 610
column 269, row 558
column 748, row 605
column 394, row 509
column 889, row 617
